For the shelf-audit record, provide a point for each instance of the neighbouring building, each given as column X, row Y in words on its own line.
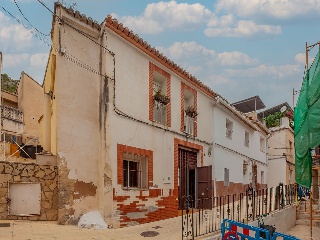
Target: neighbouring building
column 28, row 187
column 240, row 141
column 281, row 152
column 133, row 133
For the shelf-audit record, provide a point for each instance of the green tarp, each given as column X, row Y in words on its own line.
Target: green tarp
column 307, row 123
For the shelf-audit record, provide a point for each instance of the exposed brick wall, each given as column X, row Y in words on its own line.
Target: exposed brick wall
column 153, row 68
column 133, row 207
column 195, row 102
column 233, row 188
column 47, row 176
column 143, row 206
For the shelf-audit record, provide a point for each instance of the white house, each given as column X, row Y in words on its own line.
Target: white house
column 134, row 134
column 239, row 156
column 280, row 145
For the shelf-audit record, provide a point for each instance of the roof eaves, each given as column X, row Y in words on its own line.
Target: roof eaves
column 237, row 113
column 134, row 39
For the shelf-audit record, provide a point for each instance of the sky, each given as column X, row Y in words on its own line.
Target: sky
column 239, row 48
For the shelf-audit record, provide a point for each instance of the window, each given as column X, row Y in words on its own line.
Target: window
column 246, row 139
column 135, row 171
column 226, row 177
column 229, row 128
column 188, row 110
column 262, row 144
column 135, row 167
column 159, row 95
column 262, row 177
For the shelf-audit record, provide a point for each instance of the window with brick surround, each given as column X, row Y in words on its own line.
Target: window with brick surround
column 188, row 110
column 135, row 167
column 159, row 95
column 135, row 171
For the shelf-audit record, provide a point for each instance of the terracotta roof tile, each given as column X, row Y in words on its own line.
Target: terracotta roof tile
column 134, row 39
column 129, row 35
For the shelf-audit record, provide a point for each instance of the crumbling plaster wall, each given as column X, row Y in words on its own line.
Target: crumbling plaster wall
column 78, row 96
column 13, row 172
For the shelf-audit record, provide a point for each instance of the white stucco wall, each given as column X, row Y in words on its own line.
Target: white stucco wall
column 281, row 155
column 224, row 158
column 132, row 98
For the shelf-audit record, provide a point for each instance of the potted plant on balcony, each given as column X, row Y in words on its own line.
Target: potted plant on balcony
column 191, row 112
column 161, row 98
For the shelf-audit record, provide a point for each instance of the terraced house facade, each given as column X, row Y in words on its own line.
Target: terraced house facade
column 132, row 131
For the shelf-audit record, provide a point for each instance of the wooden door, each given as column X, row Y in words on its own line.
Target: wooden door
column 204, row 187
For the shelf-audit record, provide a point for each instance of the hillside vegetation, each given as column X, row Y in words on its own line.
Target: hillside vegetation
column 8, row 84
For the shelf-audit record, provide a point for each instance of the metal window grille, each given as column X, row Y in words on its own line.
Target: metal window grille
column 160, row 113
column 226, row 177
column 189, row 125
column 228, row 133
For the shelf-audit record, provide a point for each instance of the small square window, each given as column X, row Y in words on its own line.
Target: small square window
column 246, row 139
column 226, row 177
column 262, row 144
column 229, row 128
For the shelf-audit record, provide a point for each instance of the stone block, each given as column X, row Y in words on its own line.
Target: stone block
column 1, row 167
column 4, row 178
column 46, row 204
column 42, row 159
column 40, row 174
column 16, row 178
column 8, row 169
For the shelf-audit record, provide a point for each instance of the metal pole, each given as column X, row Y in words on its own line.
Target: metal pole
column 293, row 98
column 307, row 55
column 310, row 198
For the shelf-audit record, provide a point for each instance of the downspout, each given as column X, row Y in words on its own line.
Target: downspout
column 215, row 103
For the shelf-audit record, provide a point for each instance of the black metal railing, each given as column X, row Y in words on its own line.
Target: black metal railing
column 242, row 207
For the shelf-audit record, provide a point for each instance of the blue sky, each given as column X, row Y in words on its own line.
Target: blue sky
column 239, row 48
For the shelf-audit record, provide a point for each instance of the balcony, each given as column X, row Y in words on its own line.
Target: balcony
column 189, row 125
column 12, row 114
column 160, row 113
column 11, row 120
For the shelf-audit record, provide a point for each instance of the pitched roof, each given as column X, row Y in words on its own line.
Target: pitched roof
column 138, row 42
column 249, row 105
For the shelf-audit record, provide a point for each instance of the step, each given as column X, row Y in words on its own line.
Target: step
column 306, row 215
column 315, row 223
column 302, row 206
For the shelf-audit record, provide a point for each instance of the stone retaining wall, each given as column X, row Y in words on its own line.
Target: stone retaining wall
column 14, row 172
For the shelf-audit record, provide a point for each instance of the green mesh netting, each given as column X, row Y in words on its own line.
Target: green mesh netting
column 307, row 123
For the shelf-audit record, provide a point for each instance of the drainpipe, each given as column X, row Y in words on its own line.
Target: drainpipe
column 214, row 104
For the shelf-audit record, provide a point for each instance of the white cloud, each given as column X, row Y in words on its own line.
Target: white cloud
column 236, row 58
column 12, row 60
column 300, row 58
column 280, row 9
column 169, row 15
column 39, row 59
column 13, row 36
column 182, row 50
column 263, row 70
column 192, row 51
column 242, row 29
